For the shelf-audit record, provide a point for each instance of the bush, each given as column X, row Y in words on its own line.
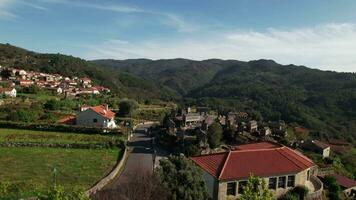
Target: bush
column 214, row 135
column 23, row 115
column 52, row 105
column 127, row 107
column 300, row 191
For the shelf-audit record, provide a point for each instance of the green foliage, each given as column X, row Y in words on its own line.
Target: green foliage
column 215, row 135
column 333, row 188
column 183, row 179
column 127, row 107
column 299, row 191
column 289, row 196
column 52, row 104
column 33, row 89
column 23, row 115
column 318, row 100
column 256, row 189
column 58, row 192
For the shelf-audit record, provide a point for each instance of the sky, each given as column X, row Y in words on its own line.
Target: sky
column 315, row 33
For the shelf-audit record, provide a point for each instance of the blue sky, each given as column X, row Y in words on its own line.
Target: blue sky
column 318, row 33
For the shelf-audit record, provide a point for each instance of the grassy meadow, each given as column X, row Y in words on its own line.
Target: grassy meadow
column 33, row 167
column 20, row 135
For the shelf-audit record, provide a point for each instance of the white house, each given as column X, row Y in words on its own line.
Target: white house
column 8, row 92
column 97, row 116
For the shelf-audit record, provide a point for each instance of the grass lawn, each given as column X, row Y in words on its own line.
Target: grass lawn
column 75, row 167
column 39, row 97
column 19, row 135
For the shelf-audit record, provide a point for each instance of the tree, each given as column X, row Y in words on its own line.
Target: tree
column 24, row 115
column 183, row 179
column 333, row 187
column 52, row 104
column 127, row 107
column 214, row 135
column 256, row 189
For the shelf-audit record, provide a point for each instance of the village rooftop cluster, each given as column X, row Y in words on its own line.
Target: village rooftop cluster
column 69, row 86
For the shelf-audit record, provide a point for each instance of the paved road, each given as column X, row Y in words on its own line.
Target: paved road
column 140, row 160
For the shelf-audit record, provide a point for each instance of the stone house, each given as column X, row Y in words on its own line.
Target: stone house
column 97, row 116
column 282, row 168
column 317, row 147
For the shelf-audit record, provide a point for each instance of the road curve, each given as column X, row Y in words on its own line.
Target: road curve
column 140, row 160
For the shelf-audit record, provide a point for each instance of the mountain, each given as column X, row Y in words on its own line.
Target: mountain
column 124, row 84
column 323, row 101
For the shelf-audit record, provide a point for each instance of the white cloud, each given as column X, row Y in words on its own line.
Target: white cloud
column 168, row 19
column 328, row 47
column 4, row 9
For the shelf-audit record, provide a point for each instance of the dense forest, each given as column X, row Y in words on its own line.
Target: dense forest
column 322, row 101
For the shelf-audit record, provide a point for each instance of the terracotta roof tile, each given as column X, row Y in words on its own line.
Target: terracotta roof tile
column 260, row 159
column 344, row 181
column 101, row 110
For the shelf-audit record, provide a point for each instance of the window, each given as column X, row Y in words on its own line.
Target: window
column 95, row 120
column 272, row 183
column 231, row 188
column 308, row 175
column 242, row 184
column 291, row 180
column 282, row 182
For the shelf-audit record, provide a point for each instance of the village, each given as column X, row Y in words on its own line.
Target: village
column 286, row 156
column 267, row 149
column 69, row 86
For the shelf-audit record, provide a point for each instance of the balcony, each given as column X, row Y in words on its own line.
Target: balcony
column 315, row 187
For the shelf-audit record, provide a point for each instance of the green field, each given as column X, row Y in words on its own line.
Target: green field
column 19, row 135
column 76, row 167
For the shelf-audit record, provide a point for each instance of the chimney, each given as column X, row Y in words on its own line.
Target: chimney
column 107, row 107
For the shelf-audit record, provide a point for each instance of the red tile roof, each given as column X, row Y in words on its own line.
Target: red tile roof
column 101, row 110
column 260, row 145
column 260, row 159
column 67, row 120
column 344, row 181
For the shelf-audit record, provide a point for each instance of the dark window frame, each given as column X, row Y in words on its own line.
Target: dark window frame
column 272, row 184
column 231, row 188
column 241, row 186
column 282, row 182
column 291, row 181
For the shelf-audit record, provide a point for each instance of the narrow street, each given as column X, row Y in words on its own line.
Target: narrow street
column 140, row 160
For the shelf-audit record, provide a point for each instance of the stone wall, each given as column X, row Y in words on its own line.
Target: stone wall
column 115, row 172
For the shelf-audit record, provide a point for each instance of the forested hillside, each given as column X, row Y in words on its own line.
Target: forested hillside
column 320, row 100
column 122, row 83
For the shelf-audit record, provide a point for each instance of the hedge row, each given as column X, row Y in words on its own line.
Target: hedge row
column 110, row 145
column 58, row 128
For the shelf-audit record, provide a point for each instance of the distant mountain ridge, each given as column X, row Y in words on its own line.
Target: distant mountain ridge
column 324, row 101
